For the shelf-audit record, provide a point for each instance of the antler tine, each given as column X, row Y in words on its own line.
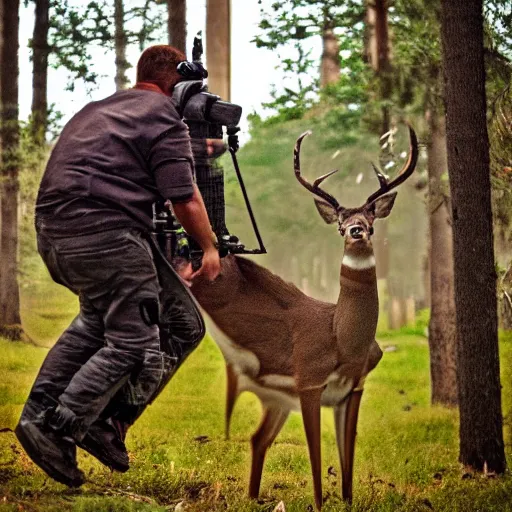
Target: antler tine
column 323, row 177
column 314, row 188
column 407, row 170
column 380, row 176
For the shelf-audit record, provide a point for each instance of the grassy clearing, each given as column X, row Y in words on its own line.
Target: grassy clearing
column 46, row 308
column 406, row 457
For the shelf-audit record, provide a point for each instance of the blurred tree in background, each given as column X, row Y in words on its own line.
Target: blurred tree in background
column 40, row 52
column 218, row 47
column 298, row 21
column 64, row 35
column 177, row 24
column 10, row 319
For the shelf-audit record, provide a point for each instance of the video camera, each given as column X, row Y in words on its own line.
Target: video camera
column 203, row 112
column 206, row 115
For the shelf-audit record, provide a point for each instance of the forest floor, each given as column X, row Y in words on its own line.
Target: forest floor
column 406, row 455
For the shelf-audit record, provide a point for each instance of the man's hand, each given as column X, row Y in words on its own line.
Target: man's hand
column 210, row 267
column 193, row 217
column 184, row 269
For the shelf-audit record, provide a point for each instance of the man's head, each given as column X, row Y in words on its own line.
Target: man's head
column 157, row 65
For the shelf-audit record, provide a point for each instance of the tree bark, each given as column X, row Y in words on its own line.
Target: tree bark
column 442, row 329
column 120, row 41
column 9, row 294
column 218, row 47
column 1, row 82
column 378, row 53
column 481, row 422
column 40, row 52
column 330, row 63
column 177, row 24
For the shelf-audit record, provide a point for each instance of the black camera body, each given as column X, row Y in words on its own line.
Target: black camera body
column 204, row 113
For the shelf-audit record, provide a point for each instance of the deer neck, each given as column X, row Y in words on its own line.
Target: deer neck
column 356, row 314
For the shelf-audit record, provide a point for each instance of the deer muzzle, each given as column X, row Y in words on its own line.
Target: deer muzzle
column 356, row 232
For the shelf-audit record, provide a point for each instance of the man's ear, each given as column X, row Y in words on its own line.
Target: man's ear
column 383, row 205
column 327, row 211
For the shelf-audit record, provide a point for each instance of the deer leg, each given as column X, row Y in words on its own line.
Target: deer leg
column 272, row 423
column 231, row 396
column 310, row 406
column 345, row 417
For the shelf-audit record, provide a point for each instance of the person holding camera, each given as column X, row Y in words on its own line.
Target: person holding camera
column 114, row 160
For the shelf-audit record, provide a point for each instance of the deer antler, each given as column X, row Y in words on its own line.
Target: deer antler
column 314, row 188
column 407, row 170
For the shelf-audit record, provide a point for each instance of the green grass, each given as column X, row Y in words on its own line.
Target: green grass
column 46, row 308
column 406, row 457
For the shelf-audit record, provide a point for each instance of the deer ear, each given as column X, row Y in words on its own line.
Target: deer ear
column 383, row 205
column 327, row 211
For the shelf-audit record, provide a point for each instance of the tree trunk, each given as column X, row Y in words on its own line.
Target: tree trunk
column 40, row 51
column 481, row 422
column 218, row 47
column 120, row 41
column 378, row 54
column 1, row 82
column 2, row 9
column 177, row 24
column 330, row 63
column 442, row 329
column 9, row 294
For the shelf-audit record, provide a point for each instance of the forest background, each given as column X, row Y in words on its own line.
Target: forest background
column 352, row 71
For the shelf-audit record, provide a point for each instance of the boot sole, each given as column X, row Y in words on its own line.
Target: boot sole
column 105, row 460
column 34, row 454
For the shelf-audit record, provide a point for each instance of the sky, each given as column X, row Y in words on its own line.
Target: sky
column 253, row 69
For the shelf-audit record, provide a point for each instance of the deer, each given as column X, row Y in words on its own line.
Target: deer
column 297, row 353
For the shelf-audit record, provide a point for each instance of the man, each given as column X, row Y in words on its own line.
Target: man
column 113, row 160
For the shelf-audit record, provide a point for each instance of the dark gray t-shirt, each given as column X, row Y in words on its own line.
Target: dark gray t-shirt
column 113, row 160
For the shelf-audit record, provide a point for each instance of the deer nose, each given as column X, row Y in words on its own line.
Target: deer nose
column 356, row 232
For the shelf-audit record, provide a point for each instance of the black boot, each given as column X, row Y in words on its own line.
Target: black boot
column 104, row 442
column 54, row 454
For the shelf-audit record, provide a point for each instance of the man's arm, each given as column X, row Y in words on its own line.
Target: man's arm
column 193, row 217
